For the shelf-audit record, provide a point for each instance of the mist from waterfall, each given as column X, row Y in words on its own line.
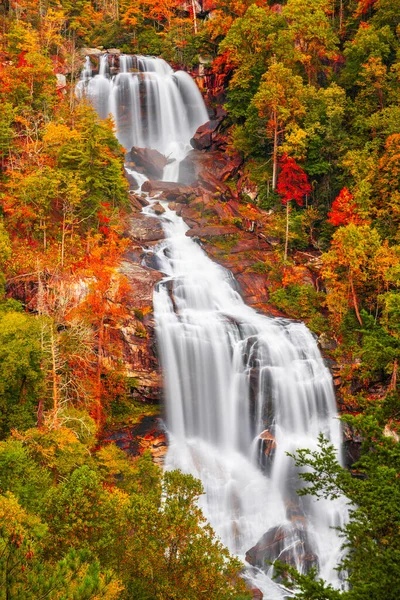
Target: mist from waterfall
column 241, row 389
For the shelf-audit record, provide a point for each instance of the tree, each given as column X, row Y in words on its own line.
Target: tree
column 292, row 185
column 21, row 377
column 279, row 102
column 247, row 48
column 25, row 575
column 173, row 551
column 371, row 536
column 344, row 210
column 312, row 35
column 348, row 268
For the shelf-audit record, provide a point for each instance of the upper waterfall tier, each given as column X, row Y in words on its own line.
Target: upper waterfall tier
column 152, row 105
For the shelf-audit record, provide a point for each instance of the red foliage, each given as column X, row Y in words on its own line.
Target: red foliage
column 292, row 181
column 344, row 210
column 22, row 60
column 363, row 7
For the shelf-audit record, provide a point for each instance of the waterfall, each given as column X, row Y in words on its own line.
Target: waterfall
column 152, row 106
column 241, row 389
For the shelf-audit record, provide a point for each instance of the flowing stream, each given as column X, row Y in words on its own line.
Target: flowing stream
column 241, row 389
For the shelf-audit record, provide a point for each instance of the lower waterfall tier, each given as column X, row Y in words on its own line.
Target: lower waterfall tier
column 242, row 391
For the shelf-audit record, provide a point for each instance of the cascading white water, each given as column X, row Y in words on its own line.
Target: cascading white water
column 230, row 375
column 152, row 106
column 241, row 389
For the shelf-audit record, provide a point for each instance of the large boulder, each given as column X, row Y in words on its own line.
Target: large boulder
column 143, row 228
column 289, row 542
column 174, row 192
column 210, row 169
column 148, row 161
column 203, row 138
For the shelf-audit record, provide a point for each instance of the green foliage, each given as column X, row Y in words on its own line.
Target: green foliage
column 372, row 533
column 107, row 527
column 21, row 377
column 301, row 302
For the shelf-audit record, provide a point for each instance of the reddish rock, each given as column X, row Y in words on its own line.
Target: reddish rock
column 142, row 282
column 147, row 434
column 145, row 229
column 148, row 160
column 256, row 594
column 211, row 231
column 247, row 188
column 203, row 139
column 269, row 442
column 254, row 287
column 210, row 169
column 158, row 209
column 171, row 191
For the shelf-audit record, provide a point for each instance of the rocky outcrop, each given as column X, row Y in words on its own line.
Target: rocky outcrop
column 210, row 171
column 167, row 190
column 143, row 228
column 206, row 135
column 279, row 542
column 148, row 161
column 147, row 434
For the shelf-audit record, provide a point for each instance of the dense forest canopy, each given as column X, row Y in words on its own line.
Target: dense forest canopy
column 312, row 99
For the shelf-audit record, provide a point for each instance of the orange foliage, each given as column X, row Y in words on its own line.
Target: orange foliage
column 344, row 210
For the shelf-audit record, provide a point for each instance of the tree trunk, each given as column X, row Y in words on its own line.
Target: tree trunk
column 194, row 16
column 287, row 230
column 393, row 380
column 54, row 378
column 355, row 302
column 63, row 240
column 98, row 411
column 275, row 155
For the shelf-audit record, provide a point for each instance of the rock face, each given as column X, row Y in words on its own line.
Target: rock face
column 168, row 190
column 203, row 138
column 211, row 167
column 277, row 543
column 147, row 161
column 148, row 434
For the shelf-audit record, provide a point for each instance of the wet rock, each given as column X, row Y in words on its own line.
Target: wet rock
column 133, row 184
column 202, row 139
column 254, row 287
column 158, row 209
column 143, row 228
column 135, row 203
column 171, row 191
column 286, row 542
column 256, row 594
column 351, row 445
column 269, row 441
column 150, row 161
